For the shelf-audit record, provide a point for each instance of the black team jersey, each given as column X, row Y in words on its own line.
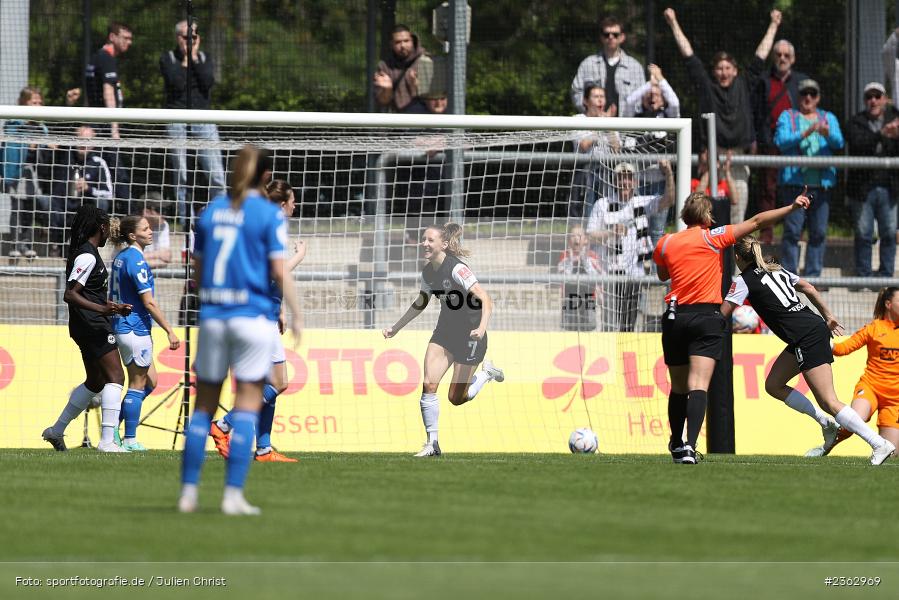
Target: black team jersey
column 88, row 268
column 450, row 283
column 103, row 68
column 773, row 296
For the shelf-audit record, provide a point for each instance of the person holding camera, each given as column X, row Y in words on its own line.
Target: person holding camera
column 174, row 67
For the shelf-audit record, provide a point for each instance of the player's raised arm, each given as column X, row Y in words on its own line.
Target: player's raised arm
column 421, row 302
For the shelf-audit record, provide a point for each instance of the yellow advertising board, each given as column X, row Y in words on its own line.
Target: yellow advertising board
column 351, row 390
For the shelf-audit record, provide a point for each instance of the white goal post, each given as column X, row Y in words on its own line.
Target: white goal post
column 681, row 127
column 366, row 185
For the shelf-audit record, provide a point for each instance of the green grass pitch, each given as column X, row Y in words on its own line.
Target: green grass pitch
column 461, row 526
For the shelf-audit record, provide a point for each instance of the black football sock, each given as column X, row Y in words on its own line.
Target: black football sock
column 696, row 405
column 677, row 416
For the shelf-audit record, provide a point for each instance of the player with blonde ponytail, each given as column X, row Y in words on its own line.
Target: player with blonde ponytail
column 239, row 252
column 460, row 338
column 771, row 290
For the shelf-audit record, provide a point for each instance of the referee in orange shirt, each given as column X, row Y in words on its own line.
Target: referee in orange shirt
column 693, row 326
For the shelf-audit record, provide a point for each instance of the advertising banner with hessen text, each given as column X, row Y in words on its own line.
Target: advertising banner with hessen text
column 352, row 390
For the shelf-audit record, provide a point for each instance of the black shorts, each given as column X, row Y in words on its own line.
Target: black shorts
column 813, row 350
column 695, row 330
column 95, row 346
column 464, row 349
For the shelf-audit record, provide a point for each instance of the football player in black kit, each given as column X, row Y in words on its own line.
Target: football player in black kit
column 460, row 338
column 90, row 326
column 772, row 292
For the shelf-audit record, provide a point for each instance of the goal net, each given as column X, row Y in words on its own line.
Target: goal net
column 560, row 216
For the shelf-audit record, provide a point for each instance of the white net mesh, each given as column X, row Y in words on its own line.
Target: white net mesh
column 575, row 318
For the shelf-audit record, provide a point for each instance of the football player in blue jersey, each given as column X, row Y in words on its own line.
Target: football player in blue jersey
column 281, row 194
column 238, row 251
column 460, row 338
column 132, row 283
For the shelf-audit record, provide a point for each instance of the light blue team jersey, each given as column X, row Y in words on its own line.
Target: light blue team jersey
column 235, row 247
column 131, row 276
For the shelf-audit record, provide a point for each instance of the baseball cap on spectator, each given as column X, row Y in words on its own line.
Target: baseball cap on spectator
column 875, row 87
column 809, row 84
column 625, row 167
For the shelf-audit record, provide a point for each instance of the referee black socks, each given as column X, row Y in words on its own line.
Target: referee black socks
column 677, row 416
column 696, row 405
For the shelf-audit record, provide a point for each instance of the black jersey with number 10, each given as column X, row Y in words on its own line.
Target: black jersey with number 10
column 774, row 297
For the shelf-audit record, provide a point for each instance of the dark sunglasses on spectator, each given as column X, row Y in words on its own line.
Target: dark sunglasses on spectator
column 875, row 95
column 812, row 93
column 611, row 34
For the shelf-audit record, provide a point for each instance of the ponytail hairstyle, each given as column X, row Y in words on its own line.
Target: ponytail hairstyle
column 886, row 294
column 120, row 229
column 697, row 210
column 452, row 235
column 252, row 167
column 87, row 222
column 278, row 191
column 749, row 250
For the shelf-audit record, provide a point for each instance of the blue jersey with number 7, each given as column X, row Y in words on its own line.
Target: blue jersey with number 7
column 235, row 247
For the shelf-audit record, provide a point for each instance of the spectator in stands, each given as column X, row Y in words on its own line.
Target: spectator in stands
column 588, row 182
column 872, row 192
column 18, row 166
column 104, row 89
column 774, row 93
column 728, row 96
column 612, row 69
column 655, row 99
column 807, row 132
column 578, row 297
column 173, row 65
column 619, row 226
column 725, row 174
column 890, row 55
column 404, row 75
column 83, row 177
column 436, row 103
column 158, row 254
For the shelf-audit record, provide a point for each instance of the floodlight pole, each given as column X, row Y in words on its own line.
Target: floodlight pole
column 184, row 411
column 458, row 52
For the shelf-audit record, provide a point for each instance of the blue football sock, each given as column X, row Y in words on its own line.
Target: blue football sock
column 195, row 447
column 243, row 432
column 266, row 417
column 131, row 408
column 228, row 419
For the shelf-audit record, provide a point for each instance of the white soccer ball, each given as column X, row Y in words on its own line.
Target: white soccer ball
column 744, row 319
column 583, row 441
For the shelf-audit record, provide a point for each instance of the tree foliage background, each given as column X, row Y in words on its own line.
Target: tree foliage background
column 310, row 54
